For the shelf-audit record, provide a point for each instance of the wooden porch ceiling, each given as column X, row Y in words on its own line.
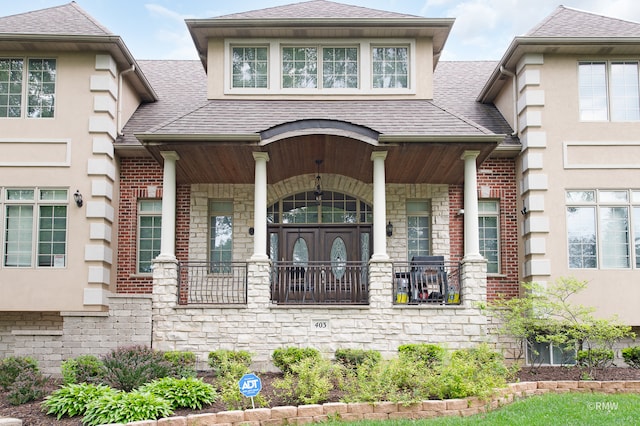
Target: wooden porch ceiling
column 408, row 162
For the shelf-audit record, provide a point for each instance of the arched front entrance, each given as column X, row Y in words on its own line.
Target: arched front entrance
column 320, row 248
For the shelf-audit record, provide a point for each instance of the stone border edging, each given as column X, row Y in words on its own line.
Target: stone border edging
column 281, row 416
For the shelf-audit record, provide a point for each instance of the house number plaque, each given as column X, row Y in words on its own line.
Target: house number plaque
column 320, row 325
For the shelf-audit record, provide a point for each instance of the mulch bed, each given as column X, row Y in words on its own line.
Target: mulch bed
column 32, row 415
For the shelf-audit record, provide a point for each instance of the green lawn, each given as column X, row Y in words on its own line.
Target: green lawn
column 544, row 410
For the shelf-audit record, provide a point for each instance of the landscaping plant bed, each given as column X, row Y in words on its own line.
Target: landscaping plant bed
column 31, row 413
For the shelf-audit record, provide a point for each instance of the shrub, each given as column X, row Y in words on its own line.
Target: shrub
column 83, row 369
column 424, row 353
column 125, row 407
column 222, row 361
column 352, row 358
column 470, row 372
column 284, row 358
column 28, row 386
column 71, row 400
column 187, row 392
column 631, row 356
column 183, row 363
column 595, row 358
column 131, row 367
column 309, row 381
column 396, row 380
column 12, row 366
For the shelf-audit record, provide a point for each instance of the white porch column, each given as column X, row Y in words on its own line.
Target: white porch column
column 471, row 233
column 168, row 230
column 260, row 207
column 379, row 207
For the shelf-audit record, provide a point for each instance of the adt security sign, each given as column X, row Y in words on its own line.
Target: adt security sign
column 250, row 385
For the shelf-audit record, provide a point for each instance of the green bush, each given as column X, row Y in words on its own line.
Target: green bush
column 595, row 358
column 396, row 380
column 352, row 358
column 83, row 369
column 222, row 361
column 470, row 372
column 187, row 392
column 424, row 353
column 28, row 386
column 309, row 381
column 631, row 356
column 183, row 363
column 284, row 358
column 125, row 407
column 131, row 367
column 12, row 366
column 71, row 400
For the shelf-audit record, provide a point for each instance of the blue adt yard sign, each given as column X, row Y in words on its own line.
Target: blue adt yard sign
column 250, row 385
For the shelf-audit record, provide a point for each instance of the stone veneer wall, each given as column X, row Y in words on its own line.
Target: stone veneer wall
column 261, row 327
column 51, row 338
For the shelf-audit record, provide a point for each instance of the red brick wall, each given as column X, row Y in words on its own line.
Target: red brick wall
column 499, row 176
column 136, row 175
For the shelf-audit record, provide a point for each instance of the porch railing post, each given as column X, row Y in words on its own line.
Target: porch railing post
column 380, row 272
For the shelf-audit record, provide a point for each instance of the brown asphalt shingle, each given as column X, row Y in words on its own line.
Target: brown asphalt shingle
column 317, row 9
column 68, row 19
column 567, row 22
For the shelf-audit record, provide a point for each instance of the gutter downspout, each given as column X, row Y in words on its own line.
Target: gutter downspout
column 119, row 114
column 506, row 72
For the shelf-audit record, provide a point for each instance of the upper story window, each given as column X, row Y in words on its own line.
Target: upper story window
column 609, row 91
column 32, row 87
column 331, row 67
column 250, row 67
column 390, row 67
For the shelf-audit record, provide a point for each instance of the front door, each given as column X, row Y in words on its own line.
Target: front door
column 321, row 263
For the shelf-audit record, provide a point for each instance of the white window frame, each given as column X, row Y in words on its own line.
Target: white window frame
column 494, row 214
column 155, row 212
column 60, row 260
column 364, row 46
column 424, row 214
column 602, row 199
column 611, row 96
column 26, row 87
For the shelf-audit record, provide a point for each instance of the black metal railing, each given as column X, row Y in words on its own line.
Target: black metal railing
column 320, row 283
column 427, row 280
column 212, row 283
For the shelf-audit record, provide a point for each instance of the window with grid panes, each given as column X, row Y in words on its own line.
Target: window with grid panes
column 418, row 228
column 488, row 215
column 35, row 227
column 220, row 235
column 390, row 67
column 609, row 91
column 250, row 67
column 149, row 234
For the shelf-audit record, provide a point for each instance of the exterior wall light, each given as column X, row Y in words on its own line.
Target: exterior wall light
column 77, row 197
column 389, row 229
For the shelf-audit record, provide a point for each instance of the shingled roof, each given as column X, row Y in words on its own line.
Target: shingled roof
column 568, row 22
column 68, row 19
column 317, row 9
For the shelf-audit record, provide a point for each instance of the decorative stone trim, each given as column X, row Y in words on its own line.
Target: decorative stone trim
column 280, row 416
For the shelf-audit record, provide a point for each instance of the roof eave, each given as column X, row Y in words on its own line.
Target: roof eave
column 521, row 45
column 489, row 138
column 120, row 52
column 159, row 138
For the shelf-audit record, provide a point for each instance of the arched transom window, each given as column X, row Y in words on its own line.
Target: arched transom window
column 335, row 207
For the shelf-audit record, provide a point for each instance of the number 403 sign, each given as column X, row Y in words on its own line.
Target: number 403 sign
column 320, row 325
